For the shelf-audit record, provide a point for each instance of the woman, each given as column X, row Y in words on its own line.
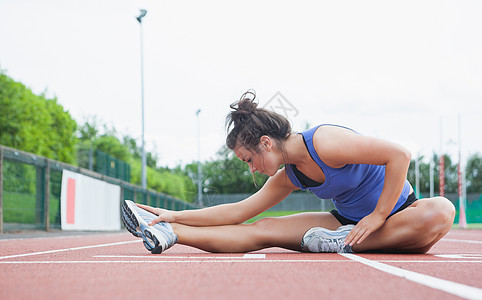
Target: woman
column 366, row 178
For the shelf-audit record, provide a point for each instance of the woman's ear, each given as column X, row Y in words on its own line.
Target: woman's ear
column 265, row 143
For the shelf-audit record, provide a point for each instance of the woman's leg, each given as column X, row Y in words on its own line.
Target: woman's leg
column 415, row 229
column 285, row 232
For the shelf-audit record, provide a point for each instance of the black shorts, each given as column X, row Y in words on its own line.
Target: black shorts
column 344, row 221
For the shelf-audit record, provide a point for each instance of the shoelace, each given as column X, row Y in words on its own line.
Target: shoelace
column 331, row 245
column 171, row 237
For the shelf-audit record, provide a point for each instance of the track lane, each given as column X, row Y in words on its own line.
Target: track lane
column 128, row 270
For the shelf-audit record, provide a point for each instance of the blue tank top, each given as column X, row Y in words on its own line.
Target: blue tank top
column 353, row 188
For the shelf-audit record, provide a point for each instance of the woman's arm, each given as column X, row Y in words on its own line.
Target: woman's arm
column 338, row 146
column 275, row 189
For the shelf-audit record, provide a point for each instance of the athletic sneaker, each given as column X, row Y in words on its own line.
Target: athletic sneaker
column 319, row 239
column 157, row 238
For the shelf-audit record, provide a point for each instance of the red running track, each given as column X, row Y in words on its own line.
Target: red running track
column 107, row 266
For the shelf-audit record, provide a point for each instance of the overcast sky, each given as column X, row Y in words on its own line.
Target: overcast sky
column 390, row 69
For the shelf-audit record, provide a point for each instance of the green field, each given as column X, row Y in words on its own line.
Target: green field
column 267, row 214
column 474, row 215
column 469, row 226
column 21, row 208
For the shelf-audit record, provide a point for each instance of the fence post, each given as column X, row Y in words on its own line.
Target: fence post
column 91, row 159
column 121, row 193
column 1, row 189
column 47, row 195
column 39, row 194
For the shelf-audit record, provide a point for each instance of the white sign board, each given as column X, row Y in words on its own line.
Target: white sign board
column 88, row 204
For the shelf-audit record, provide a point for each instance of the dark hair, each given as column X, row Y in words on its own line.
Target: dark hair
column 249, row 123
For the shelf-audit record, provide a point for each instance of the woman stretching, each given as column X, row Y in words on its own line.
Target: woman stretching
column 376, row 208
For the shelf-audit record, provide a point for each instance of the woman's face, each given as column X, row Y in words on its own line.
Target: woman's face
column 264, row 161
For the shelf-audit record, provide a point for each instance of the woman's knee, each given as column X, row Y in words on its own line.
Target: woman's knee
column 264, row 231
column 446, row 210
column 433, row 223
column 264, row 225
column 439, row 215
column 281, row 231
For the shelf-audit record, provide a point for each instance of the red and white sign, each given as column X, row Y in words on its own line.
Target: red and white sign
column 89, row 204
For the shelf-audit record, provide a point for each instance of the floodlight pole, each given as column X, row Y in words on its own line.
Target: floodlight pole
column 462, row 216
column 432, row 166
column 199, row 167
column 441, row 165
column 142, row 14
column 417, row 178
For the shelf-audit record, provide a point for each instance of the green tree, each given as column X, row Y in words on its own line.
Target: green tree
column 131, row 144
column 450, row 171
column 136, row 151
column 474, row 174
column 112, row 146
column 89, row 131
column 227, row 174
column 451, row 175
column 34, row 123
column 162, row 180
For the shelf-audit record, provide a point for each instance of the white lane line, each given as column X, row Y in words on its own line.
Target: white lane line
column 430, row 261
column 262, row 256
column 460, row 256
column 246, row 256
column 460, row 241
column 211, row 260
column 457, row 289
column 68, row 249
column 172, row 261
column 60, row 236
column 179, row 260
column 254, row 256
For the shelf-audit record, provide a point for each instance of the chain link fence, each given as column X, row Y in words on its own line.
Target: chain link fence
column 298, row 201
column 306, row 201
column 30, row 191
column 103, row 163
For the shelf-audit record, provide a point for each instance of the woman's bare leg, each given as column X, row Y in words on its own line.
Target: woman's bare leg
column 285, row 232
column 415, row 229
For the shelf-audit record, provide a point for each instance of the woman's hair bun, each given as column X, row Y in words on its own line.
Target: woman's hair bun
column 250, row 95
column 246, row 103
column 244, row 107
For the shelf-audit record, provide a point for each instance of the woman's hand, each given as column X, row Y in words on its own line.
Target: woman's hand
column 164, row 215
column 364, row 228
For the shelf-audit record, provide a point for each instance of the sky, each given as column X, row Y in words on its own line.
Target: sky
column 398, row 70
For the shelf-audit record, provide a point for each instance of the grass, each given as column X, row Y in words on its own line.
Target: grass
column 21, row 208
column 268, row 214
column 469, row 226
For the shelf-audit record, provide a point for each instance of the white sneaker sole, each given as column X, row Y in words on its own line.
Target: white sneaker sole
column 138, row 227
